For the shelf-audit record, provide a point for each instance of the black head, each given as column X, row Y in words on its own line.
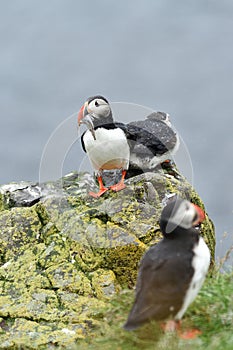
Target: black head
column 96, row 97
column 180, row 214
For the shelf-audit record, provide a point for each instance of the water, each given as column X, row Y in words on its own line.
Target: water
column 175, row 57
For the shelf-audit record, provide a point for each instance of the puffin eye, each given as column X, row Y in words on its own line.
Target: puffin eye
column 96, row 104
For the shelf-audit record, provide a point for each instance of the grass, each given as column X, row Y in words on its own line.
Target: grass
column 211, row 312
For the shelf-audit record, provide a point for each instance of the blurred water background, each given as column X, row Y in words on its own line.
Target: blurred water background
column 174, row 56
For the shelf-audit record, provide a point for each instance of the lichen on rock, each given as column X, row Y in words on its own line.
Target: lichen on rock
column 63, row 254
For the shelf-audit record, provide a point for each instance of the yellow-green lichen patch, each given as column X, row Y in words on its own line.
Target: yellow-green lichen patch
column 19, row 227
column 121, row 252
column 123, row 261
column 25, row 270
column 142, row 220
column 1, row 202
column 85, row 257
column 79, row 308
column 104, row 283
column 16, row 302
column 139, row 218
column 208, row 233
column 207, row 227
column 104, row 244
column 38, row 335
column 54, row 206
column 108, row 235
column 66, row 277
column 42, row 213
column 55, row 252
column 81, row 234
column 47, row 305
column 73, row 224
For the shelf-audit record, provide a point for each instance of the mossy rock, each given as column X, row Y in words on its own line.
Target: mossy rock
column 64, row 255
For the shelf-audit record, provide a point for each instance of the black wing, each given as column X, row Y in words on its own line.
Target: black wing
column 161, row 285
column 152, row 136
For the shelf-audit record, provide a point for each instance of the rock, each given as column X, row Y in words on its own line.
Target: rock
column 20, row 228
column 22, row 194
column 63, row 254
column 104, row 283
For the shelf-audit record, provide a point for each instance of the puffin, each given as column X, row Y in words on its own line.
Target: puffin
column 153, row 141
column 104, row 141
column 171, row 272
column 139, row 146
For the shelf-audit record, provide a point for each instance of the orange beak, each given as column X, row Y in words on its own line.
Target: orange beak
column 200, row 212
column 80, row 115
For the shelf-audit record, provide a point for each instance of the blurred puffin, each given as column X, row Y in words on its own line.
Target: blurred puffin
column 171, row 272
column 139, row 145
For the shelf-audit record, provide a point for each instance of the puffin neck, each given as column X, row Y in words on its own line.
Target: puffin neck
column 178, row 231
column 103, row 121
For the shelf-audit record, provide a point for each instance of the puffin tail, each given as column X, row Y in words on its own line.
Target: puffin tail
column 130, row 325
column 136, row 317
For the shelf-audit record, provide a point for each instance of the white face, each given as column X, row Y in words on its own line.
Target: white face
column 185, row 216
column 99, row 108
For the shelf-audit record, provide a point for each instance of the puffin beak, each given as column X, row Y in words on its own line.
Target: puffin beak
column 87, row 120
column 200, row 213
column 80, row 115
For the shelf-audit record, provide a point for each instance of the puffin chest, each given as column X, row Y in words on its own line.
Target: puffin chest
column 109, row 150
column 200, row 264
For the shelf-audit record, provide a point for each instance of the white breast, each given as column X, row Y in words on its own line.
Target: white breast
column 201, row 262
column 109, row 151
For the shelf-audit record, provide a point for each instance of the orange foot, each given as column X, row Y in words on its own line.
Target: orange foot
column 189, row 334
column 175, row 326
column 98, row 194
column 118, row 187
column 102, row 189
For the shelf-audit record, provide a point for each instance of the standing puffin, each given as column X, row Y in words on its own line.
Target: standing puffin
column 105, row 141
column 172, row 272
column 139, row 145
